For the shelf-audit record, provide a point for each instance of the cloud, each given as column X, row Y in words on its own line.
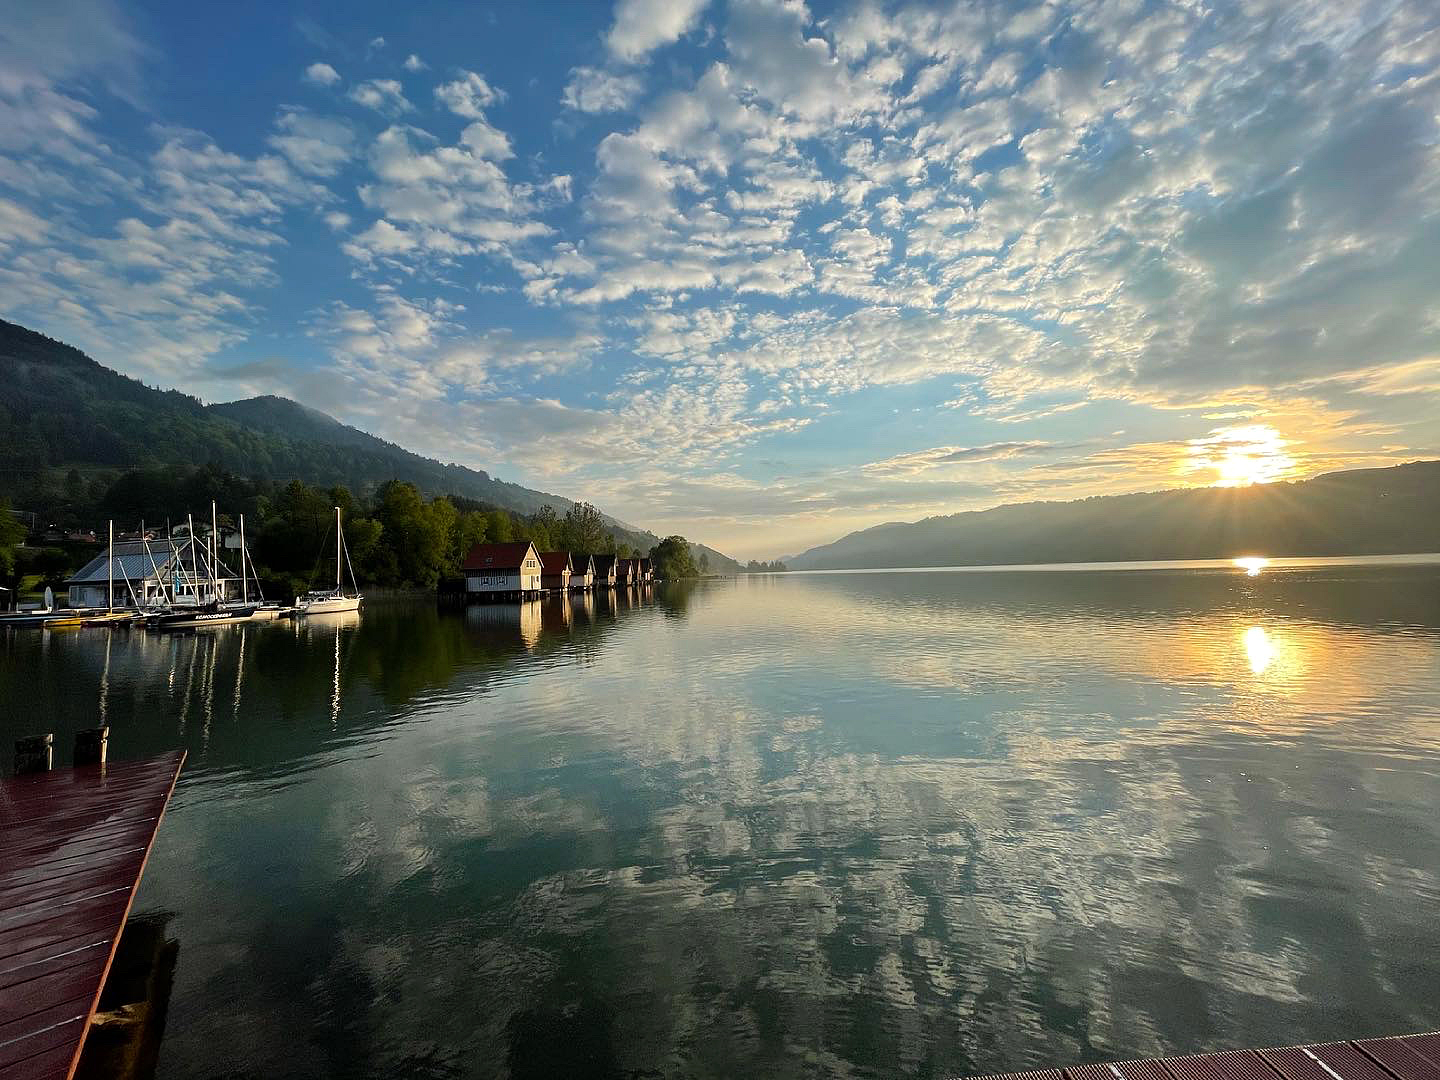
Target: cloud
column 921, row 461
column 382, row 95
column 315, row 145
column 1073, row 217
column 85, row 40
column 440, row 203
column 413, row 63
column 468, row 95
column 592, row 90
column 321, row 74
column 641, row 26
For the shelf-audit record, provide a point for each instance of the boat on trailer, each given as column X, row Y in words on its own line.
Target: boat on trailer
column 330, row 601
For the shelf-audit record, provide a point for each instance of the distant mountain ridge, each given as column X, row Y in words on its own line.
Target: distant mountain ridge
column 1393, row 510
column 61, row 409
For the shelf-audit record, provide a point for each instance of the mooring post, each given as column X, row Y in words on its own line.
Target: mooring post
column 34, row 754
column 90, row 745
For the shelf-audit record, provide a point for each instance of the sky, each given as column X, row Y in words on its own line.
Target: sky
column 755, row 271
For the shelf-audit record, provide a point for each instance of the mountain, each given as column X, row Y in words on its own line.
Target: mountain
column 59, row 410
column 1359, row 512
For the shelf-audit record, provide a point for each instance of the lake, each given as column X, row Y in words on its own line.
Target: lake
column 878, row 824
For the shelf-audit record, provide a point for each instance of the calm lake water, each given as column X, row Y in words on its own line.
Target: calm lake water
column 881, row 824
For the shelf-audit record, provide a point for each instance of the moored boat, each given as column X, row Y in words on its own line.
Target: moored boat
column 322, row 602
column 331, row 601
column 200, row 615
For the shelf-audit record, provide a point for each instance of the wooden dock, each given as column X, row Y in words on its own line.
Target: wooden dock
column 1402, row 1057
column 73, row 844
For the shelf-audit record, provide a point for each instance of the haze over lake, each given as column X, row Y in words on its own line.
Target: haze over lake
column 867, row 824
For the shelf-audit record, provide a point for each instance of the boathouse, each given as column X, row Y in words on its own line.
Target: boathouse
column 604, row 570
column 582, row 571
column 646, row 571
column 502, row 569
column 624, row 573
column 555, row 570
column 149, row 574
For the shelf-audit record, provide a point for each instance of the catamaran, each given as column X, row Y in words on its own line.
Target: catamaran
column 326, row 602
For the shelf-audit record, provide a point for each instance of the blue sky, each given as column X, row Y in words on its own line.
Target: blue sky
column 755, row 271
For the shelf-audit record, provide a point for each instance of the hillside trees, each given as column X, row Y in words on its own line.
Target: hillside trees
column 12, row 532
column 671, row 559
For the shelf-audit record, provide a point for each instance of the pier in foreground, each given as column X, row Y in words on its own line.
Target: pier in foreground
column 1402, row 1057
column 73, row 845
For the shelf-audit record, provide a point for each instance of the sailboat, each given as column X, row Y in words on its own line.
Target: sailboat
column 327, row 602
column 110, row 616
column 266, row 609
column 203, row 609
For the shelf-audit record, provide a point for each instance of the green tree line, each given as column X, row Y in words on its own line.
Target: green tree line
column 396, row 539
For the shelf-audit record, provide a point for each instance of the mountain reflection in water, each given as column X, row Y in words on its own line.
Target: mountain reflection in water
column 871, row 825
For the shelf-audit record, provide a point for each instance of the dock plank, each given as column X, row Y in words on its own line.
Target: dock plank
column 73, row 845
column 1398, row 1057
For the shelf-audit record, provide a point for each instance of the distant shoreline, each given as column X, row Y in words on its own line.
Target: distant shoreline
column 1277, row 562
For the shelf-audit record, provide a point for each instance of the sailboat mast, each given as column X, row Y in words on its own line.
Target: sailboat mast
column 214, row 555
column 194, row 555
column 110, row 572
column 244, row 577
column 337, row 549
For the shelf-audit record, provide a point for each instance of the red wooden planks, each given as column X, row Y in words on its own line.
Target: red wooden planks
column 73, row 844
column 1403, row 1057
column 1427, row 1045
column 1119, row 1070
column 1327, row 1061
column 1231, row 1065
column 1400, row 1059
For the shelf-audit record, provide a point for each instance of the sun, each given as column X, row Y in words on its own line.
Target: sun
column 1240, row 456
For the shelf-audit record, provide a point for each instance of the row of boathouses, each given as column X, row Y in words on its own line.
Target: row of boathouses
column 518, row 569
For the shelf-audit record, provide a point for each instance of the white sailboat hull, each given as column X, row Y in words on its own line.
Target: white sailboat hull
column 329, row 605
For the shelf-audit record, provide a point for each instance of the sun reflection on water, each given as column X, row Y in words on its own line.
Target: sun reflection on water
column 1252, row 564
column 1259, row 649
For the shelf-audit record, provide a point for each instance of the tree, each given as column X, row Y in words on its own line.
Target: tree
column 502, row 527
column 472, row 528
column 419, row 535
column 12, row 534
column 540, row 529
column 584, row 529
column 671, row 559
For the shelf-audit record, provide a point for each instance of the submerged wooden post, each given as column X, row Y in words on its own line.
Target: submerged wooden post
column 34, row 754
column 90, row 745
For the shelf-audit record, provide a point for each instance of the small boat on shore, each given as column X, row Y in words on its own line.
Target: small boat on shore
column 114, row 618
column 265, row 610
column 331, row 601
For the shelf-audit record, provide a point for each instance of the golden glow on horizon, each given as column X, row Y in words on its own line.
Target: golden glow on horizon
column 1240, row 456
column 1252, row 564
column 1259, row 649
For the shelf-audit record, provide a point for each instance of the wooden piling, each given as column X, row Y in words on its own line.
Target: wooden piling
column 90, row 745
column 34, row 754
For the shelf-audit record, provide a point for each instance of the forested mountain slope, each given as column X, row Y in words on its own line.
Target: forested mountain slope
column 1358, row 512
column 59, row 410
